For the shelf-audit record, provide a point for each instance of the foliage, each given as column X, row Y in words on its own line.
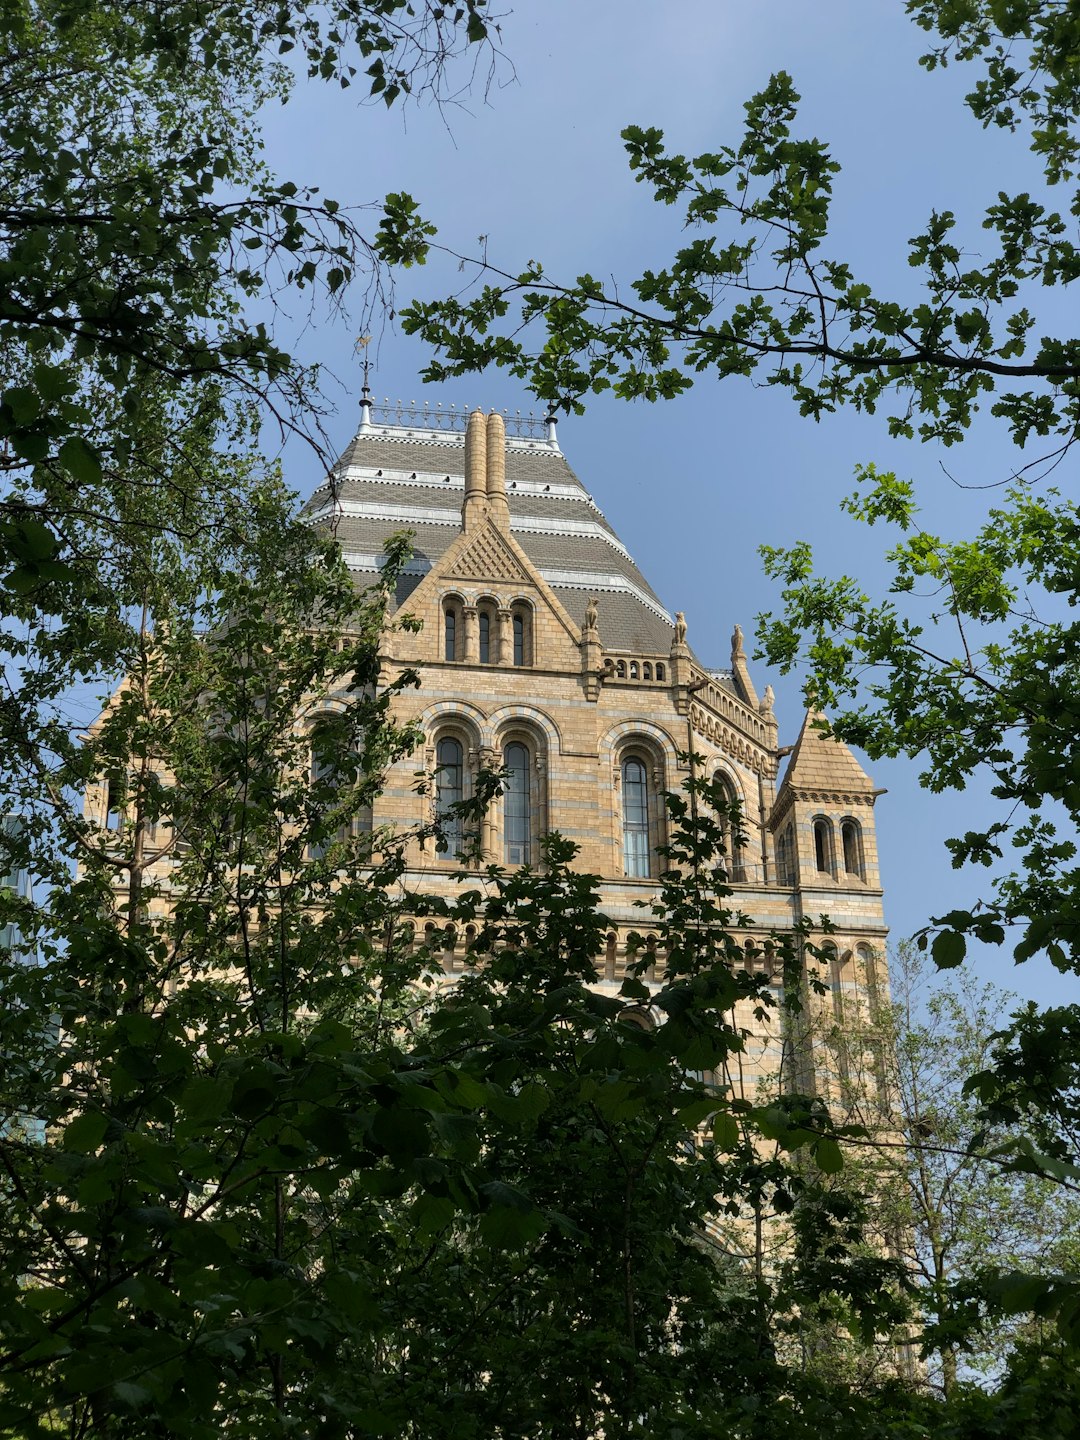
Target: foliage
column 970, row 661
column 944, row 1194
column 138, row 227
column 274, row 1167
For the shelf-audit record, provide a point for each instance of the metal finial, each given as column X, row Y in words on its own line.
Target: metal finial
column 362, row 343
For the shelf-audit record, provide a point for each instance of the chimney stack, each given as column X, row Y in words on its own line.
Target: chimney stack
column 498, row 503
column 474, row 506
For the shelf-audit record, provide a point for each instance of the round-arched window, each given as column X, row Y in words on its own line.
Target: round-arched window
column 449, row 793
column 517, row 806
column 851, row 839
column 637, row 846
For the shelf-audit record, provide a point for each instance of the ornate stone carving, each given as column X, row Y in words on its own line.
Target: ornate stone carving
column 487, row 558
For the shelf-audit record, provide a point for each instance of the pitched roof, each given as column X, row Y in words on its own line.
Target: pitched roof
column 408, row 474
column 823, row 764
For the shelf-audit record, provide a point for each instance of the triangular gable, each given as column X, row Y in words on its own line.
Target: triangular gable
column 487, row 556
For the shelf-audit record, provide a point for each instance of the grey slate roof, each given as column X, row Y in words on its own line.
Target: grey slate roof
column 391, row 478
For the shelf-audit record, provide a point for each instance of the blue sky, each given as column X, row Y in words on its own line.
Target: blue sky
column 695, row 485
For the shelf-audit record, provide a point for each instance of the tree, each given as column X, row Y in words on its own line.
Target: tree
column 138, row 225
column 982, row 678
column 933, row 1169
column 274, row 1168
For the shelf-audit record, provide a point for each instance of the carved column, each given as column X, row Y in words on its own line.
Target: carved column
column 489, row 828
column 506, row 637
column 472, row 635
column 430, row 802
column 541, row 822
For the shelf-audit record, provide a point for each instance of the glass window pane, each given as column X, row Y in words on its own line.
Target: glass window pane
column 637, row 858
column 519, row 640
column 485, row 638
column 450, row 635
column 449, row 791
column 517, row 807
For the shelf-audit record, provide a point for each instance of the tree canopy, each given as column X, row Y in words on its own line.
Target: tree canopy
column 970, row 660
column 262, row 1171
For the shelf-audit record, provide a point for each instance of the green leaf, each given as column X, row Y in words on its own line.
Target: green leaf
column 828, row 1156
column 696, row 1112
column 948, row 949
column 86, row 1132
column 81, row 460
column 726, row 1131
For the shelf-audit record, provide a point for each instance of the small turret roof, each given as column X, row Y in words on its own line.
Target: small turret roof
column 823, row 764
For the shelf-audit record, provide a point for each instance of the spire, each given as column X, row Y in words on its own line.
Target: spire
column 365, row 389
column 551, row 420
column 474, row 506
column 823, row 764
column 498, row 504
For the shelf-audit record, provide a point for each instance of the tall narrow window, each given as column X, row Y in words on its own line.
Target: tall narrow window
column 485, row 637
column 114, row 805
column 450, row 635
column 637, row 856
column 785, row 857
column 517, row 802
column 852, row 842
column 323, row 770
column 519, row 639
column 363, row 819
column 730, row 818
column 449, row 792
column 823, row 847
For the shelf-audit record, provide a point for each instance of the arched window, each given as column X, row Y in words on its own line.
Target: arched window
column 484, row 621
column 839, row 980
column 324, row 773
column 610, row 955
column 851, row 839
column 833, row 963
column 637, row 845
column 823, row 847
column 522, row 632
column 646, row 670
column 335, row 771
column 363, row 821
column 449, row 792
column 450, row 634
column 633, row 670
column 730, row 823
column 114, row 805
column 785, row 857
column 517, row 806
column 453, row 628
column 620, row 669
column 868, row 965
column 659, row 672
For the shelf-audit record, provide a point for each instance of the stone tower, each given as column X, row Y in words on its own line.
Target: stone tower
column 544, row 649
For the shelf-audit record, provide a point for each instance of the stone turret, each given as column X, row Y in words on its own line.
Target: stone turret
column 823, row 818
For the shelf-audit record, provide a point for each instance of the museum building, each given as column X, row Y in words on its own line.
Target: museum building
column 542, row 649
